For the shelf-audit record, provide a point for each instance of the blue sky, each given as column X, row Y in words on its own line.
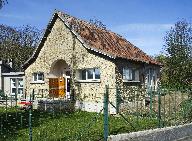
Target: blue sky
column 142, row 22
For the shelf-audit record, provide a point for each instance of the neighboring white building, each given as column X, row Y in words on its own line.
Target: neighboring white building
column 11, row 82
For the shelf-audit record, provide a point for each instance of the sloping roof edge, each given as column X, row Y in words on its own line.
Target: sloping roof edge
column 45, row 34
column 48, row 30
column 85, row 44
column 41, row 42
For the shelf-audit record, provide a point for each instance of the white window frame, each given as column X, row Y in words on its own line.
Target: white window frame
column 128, row 72
column 86, row 75
column 19, row 87
column 16, row 87
column 132, row 77
column 93, row 75
column 151, row 78
column 13, row 87
column 37, row 75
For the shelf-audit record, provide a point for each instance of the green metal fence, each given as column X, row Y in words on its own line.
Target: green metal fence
column 136, row 109
column 53, row 121
column 148, row 108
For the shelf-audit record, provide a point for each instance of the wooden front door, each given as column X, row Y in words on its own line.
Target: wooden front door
column 57, row 87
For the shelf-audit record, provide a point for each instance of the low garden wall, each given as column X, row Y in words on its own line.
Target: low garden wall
column 164, row 134
column 56, row 105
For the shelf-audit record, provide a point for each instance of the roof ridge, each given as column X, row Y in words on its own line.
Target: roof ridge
column 96, row 27
column 102, row 40
column 86, row 22
column 117, row 45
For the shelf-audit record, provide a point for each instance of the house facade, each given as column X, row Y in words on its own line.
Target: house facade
column 76, row 57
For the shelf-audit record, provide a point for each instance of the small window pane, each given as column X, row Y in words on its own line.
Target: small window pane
column 151, row 77
column 83, row 74
column 20, row 83
column 20, row 90
column 43, row 76
column 97, row 73
column 127, row 74
column 40, row 76
column 13, row 82
column 90, row 74
column 35, row 77
column 132, row 75
column 148, row 80
column 13, row 90
column 136, row 75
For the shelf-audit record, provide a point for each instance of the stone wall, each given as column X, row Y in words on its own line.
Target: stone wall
column 61, row 44
column 133, row 94
column 139, row 66
column 120, row 64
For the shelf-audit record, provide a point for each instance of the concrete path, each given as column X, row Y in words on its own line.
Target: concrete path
column 185, row 139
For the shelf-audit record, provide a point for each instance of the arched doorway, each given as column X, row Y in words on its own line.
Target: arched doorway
column 59, row 79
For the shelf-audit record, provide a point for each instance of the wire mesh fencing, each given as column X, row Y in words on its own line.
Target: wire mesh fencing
column 147, row 108
column 51, row 119
column 117, row 110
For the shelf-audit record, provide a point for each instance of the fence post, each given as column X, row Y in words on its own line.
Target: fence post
column 106, row 123
column 159, row 108
column 30, row 114
column 6, row 107
column 11, row 101
column 1, row 125
column 21, row 121
column 16, row 99
column 117, row 99
column 151, row 101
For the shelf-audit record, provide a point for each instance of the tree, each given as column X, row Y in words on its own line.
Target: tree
column 162, row 59
column 178, row 47
column 3, row 2
column 18, row 44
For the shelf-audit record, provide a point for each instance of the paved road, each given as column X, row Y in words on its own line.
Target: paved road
column 185, row 139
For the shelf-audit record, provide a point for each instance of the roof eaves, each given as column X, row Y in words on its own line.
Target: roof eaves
column 139, row 60
column 80, row 39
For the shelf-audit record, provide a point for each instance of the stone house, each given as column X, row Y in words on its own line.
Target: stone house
column 76, row 55
column 11, row 82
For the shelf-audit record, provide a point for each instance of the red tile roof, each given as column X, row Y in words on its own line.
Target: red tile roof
column 105, row 41
column 97, row 39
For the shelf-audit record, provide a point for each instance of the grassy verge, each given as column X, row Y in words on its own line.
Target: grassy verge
column 66, row 126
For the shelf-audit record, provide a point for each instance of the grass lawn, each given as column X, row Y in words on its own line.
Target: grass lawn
column 65, row 126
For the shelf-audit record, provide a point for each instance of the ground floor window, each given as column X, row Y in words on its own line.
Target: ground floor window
column 89, row 74
column 130, row 74
column 38, row 77
column 151, row 78
column 16, row 86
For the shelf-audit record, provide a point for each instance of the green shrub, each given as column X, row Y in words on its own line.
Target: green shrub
column 186, row 109
column 2, row 94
